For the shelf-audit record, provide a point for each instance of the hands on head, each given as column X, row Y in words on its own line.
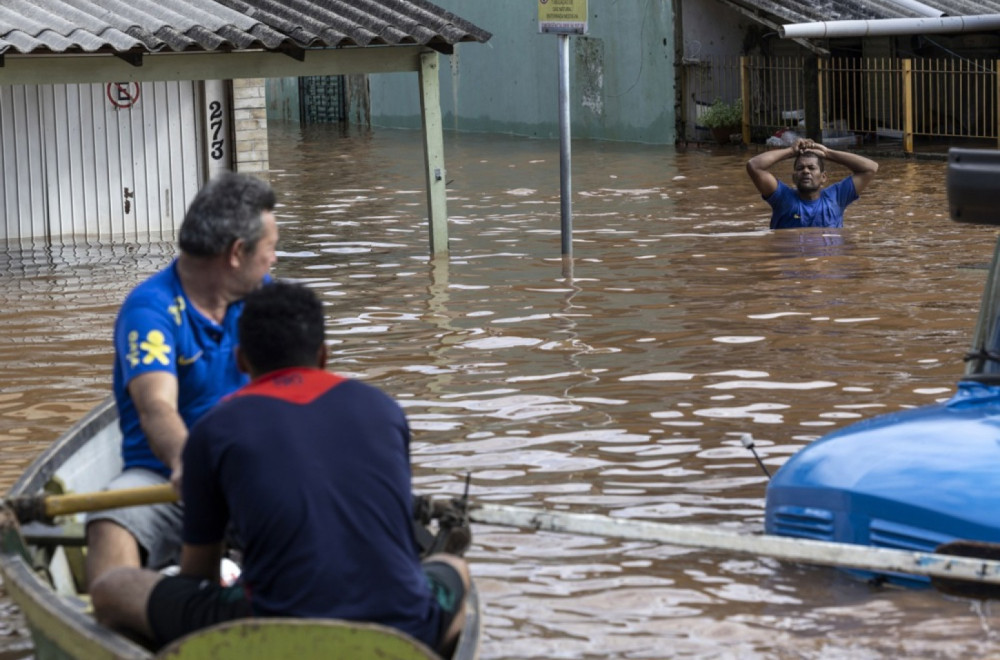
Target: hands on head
column 803, row 145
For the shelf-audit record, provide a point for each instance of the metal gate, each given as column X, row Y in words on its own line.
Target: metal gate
column 307, row 99
column 98, row 161
column 322, row 99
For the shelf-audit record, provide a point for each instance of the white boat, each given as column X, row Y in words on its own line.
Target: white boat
column 43, row 572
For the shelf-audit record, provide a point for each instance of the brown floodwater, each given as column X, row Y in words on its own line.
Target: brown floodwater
column 619, row 387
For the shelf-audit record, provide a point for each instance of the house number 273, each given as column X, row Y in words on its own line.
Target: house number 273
column 215, row 122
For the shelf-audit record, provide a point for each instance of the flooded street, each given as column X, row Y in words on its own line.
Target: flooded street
column 619, row 388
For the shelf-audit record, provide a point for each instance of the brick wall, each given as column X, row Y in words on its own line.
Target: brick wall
column 250, row 117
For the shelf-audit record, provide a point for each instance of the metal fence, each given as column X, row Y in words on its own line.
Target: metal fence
column 859, row 99
column 321, row 99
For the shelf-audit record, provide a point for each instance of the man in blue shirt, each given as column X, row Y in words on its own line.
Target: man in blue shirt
column 809, row 204
column 174, row 342
column 312, row 470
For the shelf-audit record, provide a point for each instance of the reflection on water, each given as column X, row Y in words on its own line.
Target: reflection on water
column 621, row 387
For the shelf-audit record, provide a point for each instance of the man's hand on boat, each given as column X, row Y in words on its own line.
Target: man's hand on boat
column 453, row 533
column 176, row 475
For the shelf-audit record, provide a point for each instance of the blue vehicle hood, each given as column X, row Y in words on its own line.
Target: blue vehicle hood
column 940, row 459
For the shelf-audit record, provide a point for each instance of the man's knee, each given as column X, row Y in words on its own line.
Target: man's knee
column 109, row 546
column 103, row 590
column 120, row 595
column 459, row 564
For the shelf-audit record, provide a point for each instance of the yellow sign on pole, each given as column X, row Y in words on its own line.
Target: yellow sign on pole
column 562, row 16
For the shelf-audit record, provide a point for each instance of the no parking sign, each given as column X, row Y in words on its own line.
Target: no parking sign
column 123, row 94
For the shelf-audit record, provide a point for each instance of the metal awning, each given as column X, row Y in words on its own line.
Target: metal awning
column 891, row 27
column 78, row 41
column 776, row 14
column 160, row 26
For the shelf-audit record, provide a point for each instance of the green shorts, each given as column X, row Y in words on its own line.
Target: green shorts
column 448, row 590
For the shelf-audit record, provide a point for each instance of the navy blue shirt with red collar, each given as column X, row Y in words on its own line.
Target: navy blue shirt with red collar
column 313, row 469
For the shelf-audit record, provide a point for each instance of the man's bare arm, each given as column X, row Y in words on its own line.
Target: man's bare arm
column 201, row 561
column 758, row 166
column 155, row 397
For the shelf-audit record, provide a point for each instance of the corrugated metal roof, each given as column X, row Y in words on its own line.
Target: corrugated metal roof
column 150, row 26
column 795, row 11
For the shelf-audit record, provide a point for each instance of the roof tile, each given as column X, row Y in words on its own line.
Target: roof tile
column 59, row 26
column 796, row 11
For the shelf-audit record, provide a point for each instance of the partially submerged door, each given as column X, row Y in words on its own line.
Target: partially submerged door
column 98, row 161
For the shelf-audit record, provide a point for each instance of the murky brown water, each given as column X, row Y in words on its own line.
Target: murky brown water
column 621, row 389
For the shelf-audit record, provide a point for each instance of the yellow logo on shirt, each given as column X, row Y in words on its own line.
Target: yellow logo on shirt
column 185, row 361
column 155, row 348
column 177, row 309
column 133, row 349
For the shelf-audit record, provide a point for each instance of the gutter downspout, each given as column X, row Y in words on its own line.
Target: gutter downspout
column 890, row 26
column 919, row 8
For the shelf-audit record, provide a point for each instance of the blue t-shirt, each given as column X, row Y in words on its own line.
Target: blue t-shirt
column 788, row 210
column 313, row 471
column 158, row 329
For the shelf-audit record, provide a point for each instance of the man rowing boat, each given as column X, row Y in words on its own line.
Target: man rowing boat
column 313, row 472
column 809, row 204
column 174, row 339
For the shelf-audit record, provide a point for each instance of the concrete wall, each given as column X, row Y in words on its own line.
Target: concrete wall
column 622, row 75
column 283, row 99
column 712, row 29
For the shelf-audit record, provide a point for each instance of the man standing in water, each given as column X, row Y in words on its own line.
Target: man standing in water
column 174, row 339
column 809, row 204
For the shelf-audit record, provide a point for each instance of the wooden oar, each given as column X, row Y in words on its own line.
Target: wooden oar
column 965, row 568
column 964, row 588
column 985, row 571
column 42, row 507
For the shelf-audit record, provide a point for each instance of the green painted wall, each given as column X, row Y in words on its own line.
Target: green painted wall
column 622, row 75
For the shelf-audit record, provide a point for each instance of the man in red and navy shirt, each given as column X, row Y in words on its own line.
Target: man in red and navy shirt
column 312, row 470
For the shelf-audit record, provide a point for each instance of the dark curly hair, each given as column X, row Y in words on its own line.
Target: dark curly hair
column 282, row 325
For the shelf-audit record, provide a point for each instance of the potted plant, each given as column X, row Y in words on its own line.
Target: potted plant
column 723, row 119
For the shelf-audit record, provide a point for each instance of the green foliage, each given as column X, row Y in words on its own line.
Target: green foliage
column 722, row 115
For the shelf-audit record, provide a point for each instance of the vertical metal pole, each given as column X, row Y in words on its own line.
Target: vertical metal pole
column 908, row 106
column 820, row 95
column 810, row 87
column 682, row 108
column 565, row 169
column 745, row 96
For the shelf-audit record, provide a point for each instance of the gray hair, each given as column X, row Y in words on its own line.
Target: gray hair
column 228, row 208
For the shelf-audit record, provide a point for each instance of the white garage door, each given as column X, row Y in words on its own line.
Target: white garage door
column 98, row 161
